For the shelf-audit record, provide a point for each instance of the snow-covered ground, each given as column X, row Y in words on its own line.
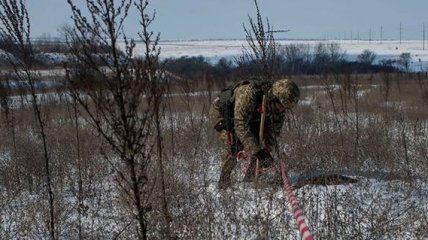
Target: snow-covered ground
column 372, row 208
column 216, row 49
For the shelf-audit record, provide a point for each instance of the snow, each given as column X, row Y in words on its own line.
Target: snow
column 372, row 208
column 332, row 212
column 214, row 50
column 230, row 49
column 20, row 101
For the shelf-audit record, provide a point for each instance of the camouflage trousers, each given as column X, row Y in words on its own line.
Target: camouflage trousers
column 230, row 148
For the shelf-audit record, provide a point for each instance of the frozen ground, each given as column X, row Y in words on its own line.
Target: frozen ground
column 216, row 49
column 372, row 208
column 375, row 207
column 369, row 209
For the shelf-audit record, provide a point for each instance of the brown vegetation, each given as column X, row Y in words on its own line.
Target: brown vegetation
column 129, row 154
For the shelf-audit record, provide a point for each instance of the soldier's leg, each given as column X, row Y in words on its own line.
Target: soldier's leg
column 251, row 171
column 228, row 163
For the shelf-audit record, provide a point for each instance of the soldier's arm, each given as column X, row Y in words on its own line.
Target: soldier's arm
column 214, row 112
column 273, row 129
column 245, row 105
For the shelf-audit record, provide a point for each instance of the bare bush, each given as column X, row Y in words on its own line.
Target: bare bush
column 122, row 102
column 262, row 48
column 15, row 31
column 132, row 160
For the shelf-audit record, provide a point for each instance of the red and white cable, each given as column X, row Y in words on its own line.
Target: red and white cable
column 292, row 200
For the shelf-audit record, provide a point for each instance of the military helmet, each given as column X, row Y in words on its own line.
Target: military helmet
column 285, row 91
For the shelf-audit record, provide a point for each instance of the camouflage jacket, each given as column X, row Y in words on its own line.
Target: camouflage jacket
column 247, row 118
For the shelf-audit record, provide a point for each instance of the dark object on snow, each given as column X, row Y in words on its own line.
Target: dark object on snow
column 264, row 157
column 224, row 182
column 330, row 179
column 251, row 171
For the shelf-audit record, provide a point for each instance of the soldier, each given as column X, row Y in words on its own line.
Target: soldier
column 236, row 116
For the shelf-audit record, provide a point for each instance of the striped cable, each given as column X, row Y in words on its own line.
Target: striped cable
column 297, row 212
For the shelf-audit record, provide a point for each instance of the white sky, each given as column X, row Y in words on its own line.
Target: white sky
column 213, row 19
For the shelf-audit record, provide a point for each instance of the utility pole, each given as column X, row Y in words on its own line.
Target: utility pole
column 400, row 33
column 370, row 35
column 381, row 34
column 423, row 38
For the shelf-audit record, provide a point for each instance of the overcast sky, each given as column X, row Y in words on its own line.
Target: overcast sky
column 214, row 19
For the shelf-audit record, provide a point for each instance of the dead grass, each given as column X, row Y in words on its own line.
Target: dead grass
column 341, row 127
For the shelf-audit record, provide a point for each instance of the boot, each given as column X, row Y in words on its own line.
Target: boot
column 224, row 182
column 251, row 171
column 266, row 163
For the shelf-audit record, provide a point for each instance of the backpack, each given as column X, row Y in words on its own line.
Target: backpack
column 227, row 102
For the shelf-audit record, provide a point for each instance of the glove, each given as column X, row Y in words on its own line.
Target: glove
column 220, row 126
column 265, row 159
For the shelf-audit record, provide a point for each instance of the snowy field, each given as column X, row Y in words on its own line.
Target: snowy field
column 375, row 207
column 216, row 49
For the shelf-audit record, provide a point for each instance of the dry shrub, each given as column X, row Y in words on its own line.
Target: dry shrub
column 380, row 142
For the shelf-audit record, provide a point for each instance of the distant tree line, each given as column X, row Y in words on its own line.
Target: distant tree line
column 291, row 60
